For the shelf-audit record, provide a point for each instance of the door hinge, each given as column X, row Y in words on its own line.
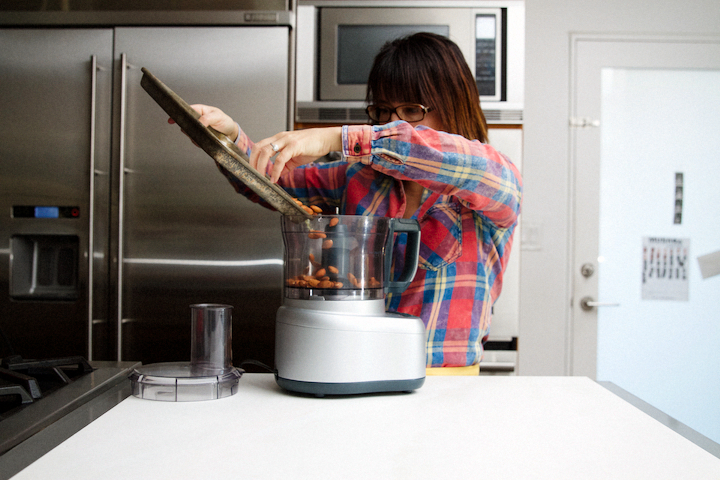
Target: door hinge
column 584, row 122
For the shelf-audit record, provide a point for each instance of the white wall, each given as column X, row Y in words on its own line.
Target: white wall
column 545, row 281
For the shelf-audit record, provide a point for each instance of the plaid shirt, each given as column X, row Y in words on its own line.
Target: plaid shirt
column 467, row 217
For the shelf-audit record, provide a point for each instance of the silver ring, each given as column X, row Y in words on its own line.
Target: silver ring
column 274, row 147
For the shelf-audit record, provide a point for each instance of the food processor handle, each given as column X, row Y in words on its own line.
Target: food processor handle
column 412, row 250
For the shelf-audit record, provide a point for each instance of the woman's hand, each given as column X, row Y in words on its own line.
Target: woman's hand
column 294, row 149
column 217, row 119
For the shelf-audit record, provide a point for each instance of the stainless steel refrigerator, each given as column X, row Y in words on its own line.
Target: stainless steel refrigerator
column 111, row 222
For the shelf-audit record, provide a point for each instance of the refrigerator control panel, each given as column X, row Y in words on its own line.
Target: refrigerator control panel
column 44, row 211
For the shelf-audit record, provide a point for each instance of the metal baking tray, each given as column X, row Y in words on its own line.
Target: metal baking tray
column 219, row 146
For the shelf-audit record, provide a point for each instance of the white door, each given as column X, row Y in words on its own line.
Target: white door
column 645, row 121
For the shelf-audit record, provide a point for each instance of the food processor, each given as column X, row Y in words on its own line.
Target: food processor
column 333, row 335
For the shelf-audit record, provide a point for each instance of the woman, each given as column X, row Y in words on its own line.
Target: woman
column 424, row 157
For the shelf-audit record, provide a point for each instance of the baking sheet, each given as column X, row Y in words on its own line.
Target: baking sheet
column 218, row 146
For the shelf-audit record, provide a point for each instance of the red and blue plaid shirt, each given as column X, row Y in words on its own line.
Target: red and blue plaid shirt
column 467, row 216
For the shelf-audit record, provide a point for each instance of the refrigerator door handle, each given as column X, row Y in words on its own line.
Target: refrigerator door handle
column 124, row 67
column 121, row 201
column 94, row 69
column 91, row 204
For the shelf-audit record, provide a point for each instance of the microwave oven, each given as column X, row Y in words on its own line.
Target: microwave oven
column 338, row 40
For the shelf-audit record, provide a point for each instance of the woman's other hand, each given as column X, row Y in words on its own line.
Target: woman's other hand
column 217, row 119
column 295, row 148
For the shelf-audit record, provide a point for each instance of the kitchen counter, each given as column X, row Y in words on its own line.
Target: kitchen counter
column 453, row 427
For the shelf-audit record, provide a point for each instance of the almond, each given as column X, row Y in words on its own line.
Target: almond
column 316, row 234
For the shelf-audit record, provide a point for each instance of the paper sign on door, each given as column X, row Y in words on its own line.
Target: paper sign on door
column 665, row 272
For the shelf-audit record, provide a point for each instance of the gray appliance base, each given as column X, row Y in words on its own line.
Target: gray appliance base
column 320, row 389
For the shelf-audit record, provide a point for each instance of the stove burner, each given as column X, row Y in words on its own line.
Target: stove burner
column 24, row 381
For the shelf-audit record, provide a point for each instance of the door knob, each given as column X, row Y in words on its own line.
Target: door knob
column 587, row 270
column 587, row 304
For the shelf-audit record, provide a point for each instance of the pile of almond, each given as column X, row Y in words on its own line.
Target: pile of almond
column 315, row 275
column 311, row 210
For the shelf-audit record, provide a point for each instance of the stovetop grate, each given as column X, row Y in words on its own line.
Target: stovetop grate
column 24, row 381
column 23, row 421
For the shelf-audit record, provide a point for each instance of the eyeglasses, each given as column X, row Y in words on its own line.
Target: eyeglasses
column 410, row 112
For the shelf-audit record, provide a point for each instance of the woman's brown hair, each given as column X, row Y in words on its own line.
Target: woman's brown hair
column 429, row 69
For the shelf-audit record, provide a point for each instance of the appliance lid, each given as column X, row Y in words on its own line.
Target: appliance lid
column 183, row 382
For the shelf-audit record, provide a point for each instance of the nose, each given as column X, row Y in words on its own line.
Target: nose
column 394, row 117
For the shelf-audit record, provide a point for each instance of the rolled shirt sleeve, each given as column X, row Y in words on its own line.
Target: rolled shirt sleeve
column 476, row 174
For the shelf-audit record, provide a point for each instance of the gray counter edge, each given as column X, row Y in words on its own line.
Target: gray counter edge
column 24, row 454
column 680, row 428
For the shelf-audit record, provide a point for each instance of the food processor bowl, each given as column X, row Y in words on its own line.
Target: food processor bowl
column 345, row 257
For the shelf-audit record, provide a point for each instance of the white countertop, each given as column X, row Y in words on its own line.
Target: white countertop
column 496, row 427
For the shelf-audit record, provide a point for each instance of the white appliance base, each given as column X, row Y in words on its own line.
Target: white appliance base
column 345, row 348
